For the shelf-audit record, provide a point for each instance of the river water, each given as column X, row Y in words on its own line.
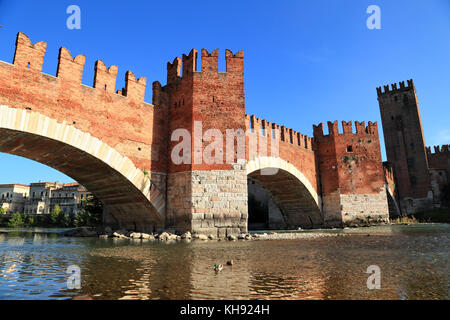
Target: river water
column 413, row 262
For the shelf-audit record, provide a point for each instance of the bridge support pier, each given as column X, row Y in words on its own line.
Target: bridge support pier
column 208, row 201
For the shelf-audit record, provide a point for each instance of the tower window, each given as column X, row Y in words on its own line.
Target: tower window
column 395, row 98
column 349, row 148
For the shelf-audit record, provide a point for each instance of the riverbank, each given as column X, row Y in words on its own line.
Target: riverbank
column 167, row 236
column 187, row 236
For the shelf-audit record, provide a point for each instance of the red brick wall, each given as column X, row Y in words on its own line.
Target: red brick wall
column 214, row 98
column 349, row 162
column 124, row 121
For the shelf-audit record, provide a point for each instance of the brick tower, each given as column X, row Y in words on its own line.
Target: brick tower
column 206, row 192
column 351, row 175
column 405, row 145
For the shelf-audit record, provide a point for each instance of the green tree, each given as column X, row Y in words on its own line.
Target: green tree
column 55, row 215
column 90, row 214
column 2, row 219
column 15, row 220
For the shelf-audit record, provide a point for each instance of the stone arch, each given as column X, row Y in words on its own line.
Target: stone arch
column 290, row 189
column 127, row 193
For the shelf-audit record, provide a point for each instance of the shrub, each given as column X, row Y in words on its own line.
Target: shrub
column 29, row 220
column 15, row 220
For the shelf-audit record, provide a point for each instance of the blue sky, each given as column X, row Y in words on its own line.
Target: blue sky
column 306, row 62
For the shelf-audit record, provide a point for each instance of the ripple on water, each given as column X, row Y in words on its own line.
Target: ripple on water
column 413, row 261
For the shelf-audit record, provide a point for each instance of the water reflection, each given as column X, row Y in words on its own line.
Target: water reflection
column 413, row 261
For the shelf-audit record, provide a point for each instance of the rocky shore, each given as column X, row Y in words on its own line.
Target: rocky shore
column 107, row 233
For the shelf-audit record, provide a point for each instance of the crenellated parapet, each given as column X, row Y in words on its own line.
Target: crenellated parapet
column 347, row 129
column 186, row 67
column 273, row 130
column 31, row 56
column 440, row 158
column 70, row 68
column 396, row 88
column 439, row 149
column 210, row 61
column 105, row 78
column 134, row 87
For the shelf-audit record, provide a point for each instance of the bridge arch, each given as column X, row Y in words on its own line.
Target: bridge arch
column 293, row 193
column 127, row 193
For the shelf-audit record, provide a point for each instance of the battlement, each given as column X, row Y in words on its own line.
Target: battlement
column 394, row 88
column 264, row 128
column 210, row 64
column 347, row 129
column 31, row 56
column 439, row 149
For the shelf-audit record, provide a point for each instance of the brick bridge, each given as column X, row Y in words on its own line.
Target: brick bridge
column 122, row 148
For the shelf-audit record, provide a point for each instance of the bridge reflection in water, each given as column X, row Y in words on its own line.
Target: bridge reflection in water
column 331, row 267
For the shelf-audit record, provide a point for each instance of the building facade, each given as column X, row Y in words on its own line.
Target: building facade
column 69, row 197
column 41, row 197
column 13, row 197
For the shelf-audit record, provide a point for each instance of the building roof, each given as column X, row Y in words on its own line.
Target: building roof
column 13, row 185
